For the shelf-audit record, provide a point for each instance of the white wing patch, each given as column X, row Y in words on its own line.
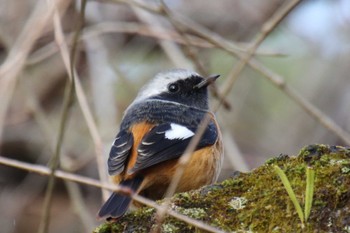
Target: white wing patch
column 178, row 132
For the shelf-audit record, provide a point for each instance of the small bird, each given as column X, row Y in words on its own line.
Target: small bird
column 155, row 131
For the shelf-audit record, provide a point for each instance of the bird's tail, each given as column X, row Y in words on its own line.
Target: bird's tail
column 117, row 204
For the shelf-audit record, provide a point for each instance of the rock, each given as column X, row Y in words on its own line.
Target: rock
column 258, row 202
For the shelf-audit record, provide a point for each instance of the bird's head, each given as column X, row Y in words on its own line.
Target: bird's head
column 179, row 86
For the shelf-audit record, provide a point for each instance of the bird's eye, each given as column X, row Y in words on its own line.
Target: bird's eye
column 173, row 87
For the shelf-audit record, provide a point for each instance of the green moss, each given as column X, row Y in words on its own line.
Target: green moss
column 169, row 228
column 109, row 228
column 258, row 202
column 196, row 213
column 104, row 228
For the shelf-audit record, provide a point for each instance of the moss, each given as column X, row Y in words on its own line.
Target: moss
column 196, row 213
column 258, row 202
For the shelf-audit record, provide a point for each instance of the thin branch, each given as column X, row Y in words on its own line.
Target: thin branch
column 171, row 49
column 82, row 100
column 274, row 78
column 246, row 60
column 54, row 162
column 45, row 171
column 181, row 166
column 185, row 158
column 138, row 29
column 267, row 28
column 118, row 27
column 42, row 170
column 191, row 54
column 154, row 8
column 308, row 107
column 67, row 102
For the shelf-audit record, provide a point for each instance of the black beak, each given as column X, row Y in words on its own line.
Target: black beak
column 206, row 82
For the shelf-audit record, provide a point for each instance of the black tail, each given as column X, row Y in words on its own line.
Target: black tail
column 117, row 204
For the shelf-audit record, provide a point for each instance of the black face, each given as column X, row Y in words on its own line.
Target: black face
column 185, row 91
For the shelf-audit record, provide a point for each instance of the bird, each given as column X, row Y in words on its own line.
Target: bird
column 155, row 131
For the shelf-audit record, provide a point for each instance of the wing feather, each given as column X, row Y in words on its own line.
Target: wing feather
column 157, row 146
column 119, row 152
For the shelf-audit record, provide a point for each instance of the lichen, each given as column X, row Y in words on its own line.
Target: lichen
column 237, row 203
column 195, row 213
column 266, row 206
column 169, row 228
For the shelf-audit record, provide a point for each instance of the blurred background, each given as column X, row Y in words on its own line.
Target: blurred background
column 122, row 47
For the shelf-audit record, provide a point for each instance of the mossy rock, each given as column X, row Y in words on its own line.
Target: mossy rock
column 258, row 202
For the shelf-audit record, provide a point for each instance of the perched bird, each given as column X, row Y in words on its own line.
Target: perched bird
column 154, row 133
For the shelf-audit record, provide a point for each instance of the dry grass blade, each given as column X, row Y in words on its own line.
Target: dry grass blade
column 82, row 100
column 72, row 188
column 15, row 61
column 101, row 167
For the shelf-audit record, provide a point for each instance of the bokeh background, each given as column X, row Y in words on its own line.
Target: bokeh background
column 122, row 47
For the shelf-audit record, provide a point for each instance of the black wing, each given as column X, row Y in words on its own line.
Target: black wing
column 169, row 141
column 119, row 152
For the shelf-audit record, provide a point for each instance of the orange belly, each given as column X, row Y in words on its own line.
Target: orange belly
column 202, row 169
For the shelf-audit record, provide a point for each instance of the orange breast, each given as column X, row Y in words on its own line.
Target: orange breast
column 202, row 169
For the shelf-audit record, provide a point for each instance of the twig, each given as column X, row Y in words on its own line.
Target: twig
column 183, row 161
column 140, row 4
column 85, row 107
column 119, row 27
column 181, row 166
column 276, row 79
column 192, row 55
column 42, row 170
column 81, row 97
column 101, row 166
column 54, row 162
column 139, row 29
column 67, row 102
column 308, row 107
column 267, row 28
column 170, row 48
column 45, row 171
